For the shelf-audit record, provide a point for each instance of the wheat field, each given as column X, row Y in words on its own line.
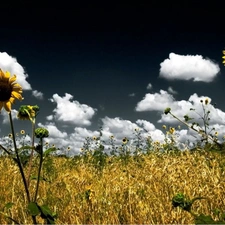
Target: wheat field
column 136, row 191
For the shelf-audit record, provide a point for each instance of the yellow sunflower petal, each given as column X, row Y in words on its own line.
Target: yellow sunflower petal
column 7, row 75
column 17, row 95
column 16, row 85
column 224, row 52
column 17, row 89
column 12, row 79
column 12, row 100
column 7, row 106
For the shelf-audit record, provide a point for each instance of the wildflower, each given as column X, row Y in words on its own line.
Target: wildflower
column 10, row 135
column 9, row 91
column 41, row 133
column 136, row 129
column 81, row 149
column 68, row 148
column 164, row 127
column 111, row 137
column 216, row 133
column 94, row 138
column 223, row 57
column 22, row 131
column 172, row 130
column 125, row 140
column 27, row 112
column 206, row 101
column 178, row 126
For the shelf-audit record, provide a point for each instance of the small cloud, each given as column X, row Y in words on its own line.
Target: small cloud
column 132, row 95
column 149, row 86
column 50, row 117
column 38, row 94
column 5, row 115
column 188, row 67
column 155, row 102
column 9, row 63
column 72, row 111
column 170, row 90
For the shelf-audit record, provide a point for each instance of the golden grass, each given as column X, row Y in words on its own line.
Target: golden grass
column 137, row 192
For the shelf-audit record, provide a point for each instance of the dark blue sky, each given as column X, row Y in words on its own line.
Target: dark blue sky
column 101, row 54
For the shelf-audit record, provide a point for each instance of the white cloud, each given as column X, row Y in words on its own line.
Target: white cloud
column 172, row 91
column 50, row 117
column 155, row 102
column 38, row 94
column 54, row 132
column 72, row 111
column 149, row 86
column 9, row 63
column 187, row 67
column 118, row 127
column 156, row 134
column 5, row 115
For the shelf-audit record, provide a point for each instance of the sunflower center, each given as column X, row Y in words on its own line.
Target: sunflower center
column 5, row 91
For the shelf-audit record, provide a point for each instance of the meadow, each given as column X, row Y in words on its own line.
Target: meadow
column 123, row 190
column 140, row 181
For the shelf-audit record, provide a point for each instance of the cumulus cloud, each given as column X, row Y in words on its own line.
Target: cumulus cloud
column 9, row 63
column 5, row 115
column 188, row 67
column 53, row 130
column 38, row 94
column 155, row 102
column 71, row 111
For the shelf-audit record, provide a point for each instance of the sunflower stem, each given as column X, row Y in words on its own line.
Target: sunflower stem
column 191, row 127
column 31, row 155
column 18, row 159
column 39, row 169
column 20, row 165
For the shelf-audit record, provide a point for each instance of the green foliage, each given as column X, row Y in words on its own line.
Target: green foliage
column 203, row 130
column 182, row 201
column 34, row 209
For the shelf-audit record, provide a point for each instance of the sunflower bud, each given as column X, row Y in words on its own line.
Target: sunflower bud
column 167, row 110
column 41, row 133
column 27, row 112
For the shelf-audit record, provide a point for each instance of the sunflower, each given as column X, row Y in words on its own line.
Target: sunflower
column 125, row 140
column 9, row 91
column 223, row 57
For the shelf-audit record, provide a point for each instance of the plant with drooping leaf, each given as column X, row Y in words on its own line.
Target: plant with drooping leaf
column 204, row 131
column 9, row 92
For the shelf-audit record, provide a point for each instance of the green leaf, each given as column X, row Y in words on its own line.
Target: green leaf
column 48, row 151
column 206, row 219
column 47, row 214
column 26, row 147
column 36, row 177
column 8, row 205
column 33, row 209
